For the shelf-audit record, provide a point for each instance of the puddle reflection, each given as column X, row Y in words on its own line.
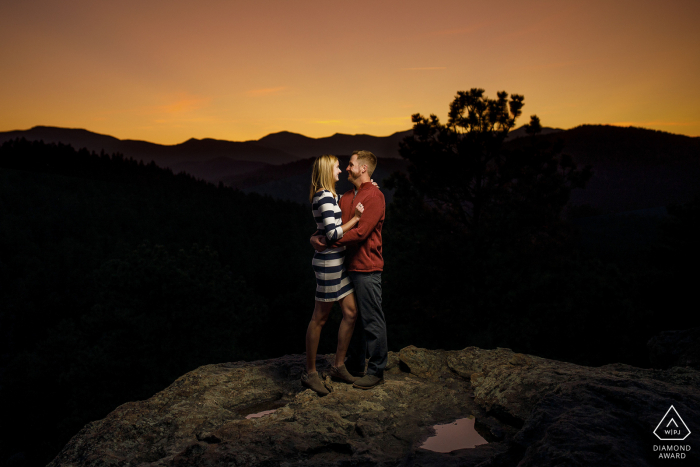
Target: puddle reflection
column 459, row 434
column 259, row 414
column 261, row 409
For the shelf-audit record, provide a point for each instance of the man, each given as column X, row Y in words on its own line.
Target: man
column 364, row 263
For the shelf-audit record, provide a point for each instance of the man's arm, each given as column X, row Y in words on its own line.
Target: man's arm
column 318, row 241
column 374, row 208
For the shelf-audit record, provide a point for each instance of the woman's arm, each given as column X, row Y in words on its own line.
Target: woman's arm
column 331, row 231
column 326, row 208
column 374, row 205
column 318, row 241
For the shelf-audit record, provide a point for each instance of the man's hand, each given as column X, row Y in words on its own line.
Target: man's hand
column 318, row 242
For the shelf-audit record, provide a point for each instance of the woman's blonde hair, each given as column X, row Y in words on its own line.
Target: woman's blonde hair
column 322, row 175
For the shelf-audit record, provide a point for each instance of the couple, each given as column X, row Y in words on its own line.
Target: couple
column 348, row 264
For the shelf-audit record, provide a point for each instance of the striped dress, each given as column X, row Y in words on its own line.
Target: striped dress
column 332, row 281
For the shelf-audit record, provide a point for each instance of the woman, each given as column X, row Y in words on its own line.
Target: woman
column 332, row 281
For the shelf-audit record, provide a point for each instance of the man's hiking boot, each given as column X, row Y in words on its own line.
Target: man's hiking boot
column 341, row 374
column 354, row 372
column 368, row 382
column 314, row 382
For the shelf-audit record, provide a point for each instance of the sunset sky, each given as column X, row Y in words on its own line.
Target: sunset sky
column 166, row 71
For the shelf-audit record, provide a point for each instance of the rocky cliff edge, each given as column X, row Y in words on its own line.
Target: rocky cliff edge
column 533, row 411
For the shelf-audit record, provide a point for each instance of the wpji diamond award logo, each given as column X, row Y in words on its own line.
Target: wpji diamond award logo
column 672, row 428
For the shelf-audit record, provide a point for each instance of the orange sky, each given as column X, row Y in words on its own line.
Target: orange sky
column 165, row 71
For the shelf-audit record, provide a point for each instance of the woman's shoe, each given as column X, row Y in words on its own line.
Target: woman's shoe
column 341, row 373
column 313, row 382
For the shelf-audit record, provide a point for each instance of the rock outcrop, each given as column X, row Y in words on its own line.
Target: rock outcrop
column 675, row 348
column 534, row 412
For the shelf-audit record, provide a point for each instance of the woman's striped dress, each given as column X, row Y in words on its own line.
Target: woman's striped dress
column 332, row 281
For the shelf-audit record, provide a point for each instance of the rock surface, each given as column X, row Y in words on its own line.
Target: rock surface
column 675, row 348
column 534, row 412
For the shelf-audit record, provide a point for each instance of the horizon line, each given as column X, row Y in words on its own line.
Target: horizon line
column 615, row 124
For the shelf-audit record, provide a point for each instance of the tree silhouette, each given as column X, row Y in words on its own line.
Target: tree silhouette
column 464, row 169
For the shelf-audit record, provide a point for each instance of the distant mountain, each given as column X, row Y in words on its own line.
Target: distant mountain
column 215, row 160
column 163, row 155
column 338, row 144
column 75, row 137
column 276, row 148
column 607, row 144
column 218, row 169
column 520, row 132
column 633, row 168
column 291, row 181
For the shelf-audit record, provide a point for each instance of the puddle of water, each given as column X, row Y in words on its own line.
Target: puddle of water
column 261, row 409
column 459, row 434
column 259, row 414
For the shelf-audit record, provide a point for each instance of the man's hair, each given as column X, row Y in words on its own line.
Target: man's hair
column 367, row 158
column 322, row 175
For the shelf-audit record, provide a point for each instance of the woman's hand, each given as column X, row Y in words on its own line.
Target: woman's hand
column 359, row 209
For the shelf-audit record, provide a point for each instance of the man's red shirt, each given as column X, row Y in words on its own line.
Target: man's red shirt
column 363, row 242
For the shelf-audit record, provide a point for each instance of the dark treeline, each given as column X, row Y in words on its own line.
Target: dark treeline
column 119, row 277
column 490, row 259
column 556, row 297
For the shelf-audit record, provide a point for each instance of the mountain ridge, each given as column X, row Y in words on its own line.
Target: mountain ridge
column 269, row 149
column 634, row 168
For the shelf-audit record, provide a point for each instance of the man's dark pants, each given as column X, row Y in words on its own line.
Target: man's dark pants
column 370, row 329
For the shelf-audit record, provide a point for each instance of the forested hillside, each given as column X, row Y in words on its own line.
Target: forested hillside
column 118, row 277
